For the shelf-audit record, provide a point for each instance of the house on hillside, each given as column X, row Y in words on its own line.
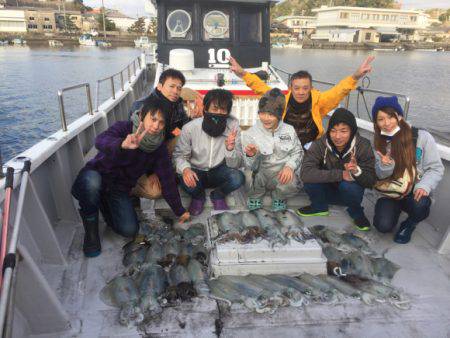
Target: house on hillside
column 387, row 24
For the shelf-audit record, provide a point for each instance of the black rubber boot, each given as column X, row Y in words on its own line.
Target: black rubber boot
column 91, row 244
column 404, row 233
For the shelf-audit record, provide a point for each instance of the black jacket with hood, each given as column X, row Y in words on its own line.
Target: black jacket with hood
column 324, row 164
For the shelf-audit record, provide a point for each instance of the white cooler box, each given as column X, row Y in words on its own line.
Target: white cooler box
column 260, row 258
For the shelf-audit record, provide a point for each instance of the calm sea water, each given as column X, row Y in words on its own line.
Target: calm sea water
column 30, row 78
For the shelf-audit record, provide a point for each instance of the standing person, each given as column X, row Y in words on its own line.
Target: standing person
column 306, row 106
column 127, row 150
column 271, row 154
column 337, row 168
column 408, row 166
column 200, row 153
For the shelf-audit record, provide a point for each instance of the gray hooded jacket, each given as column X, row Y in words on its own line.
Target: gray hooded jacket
column 430, row 169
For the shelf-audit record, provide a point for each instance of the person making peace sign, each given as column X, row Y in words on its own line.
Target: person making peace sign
column 127, row 150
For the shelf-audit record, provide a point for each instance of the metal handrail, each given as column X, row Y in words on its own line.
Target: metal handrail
column 62, row 110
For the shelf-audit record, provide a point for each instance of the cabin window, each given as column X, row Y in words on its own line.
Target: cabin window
column 250, row 26
column 216, row 25
column 179, row 24
column 32, row 26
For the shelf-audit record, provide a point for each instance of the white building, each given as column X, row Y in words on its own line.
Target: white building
column 122, row 21
column 12, row 21
column 298, row 23
column 386, row 21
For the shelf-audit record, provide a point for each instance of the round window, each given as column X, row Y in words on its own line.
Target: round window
column 178, row 23
column 216, row 24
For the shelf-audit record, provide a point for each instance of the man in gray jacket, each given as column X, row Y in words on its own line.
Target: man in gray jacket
column 337, row 168
column 200, row 153
column 271, row 153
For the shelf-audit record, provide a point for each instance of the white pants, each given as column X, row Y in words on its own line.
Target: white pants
column 266, row 180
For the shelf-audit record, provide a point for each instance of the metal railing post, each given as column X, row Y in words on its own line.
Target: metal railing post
column 97, row 95
column 112, row 88
column 134, row 67
column 89, row 99
column 129, row 75
column 408, row 101
column 62, row 111
column 121, row 80
column 347, row 101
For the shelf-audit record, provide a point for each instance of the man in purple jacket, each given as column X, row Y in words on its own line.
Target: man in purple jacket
column 127, row 150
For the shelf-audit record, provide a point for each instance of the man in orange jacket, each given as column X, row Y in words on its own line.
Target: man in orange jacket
column 306, row 106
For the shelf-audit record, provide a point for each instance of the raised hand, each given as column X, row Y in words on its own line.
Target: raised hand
column 236, row 68
column 132, row 141
column 230, row 141
column 352, row 166
column 251, row 150
column 286, row 175
column 364, row 69
column 190, row 178
column 385, row 159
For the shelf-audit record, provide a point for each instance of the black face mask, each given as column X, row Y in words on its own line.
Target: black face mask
column 214, row 124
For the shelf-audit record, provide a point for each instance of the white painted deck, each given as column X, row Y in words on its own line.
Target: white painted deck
column 424, row 276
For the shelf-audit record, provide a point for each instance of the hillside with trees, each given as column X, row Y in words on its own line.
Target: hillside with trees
column 304, row 7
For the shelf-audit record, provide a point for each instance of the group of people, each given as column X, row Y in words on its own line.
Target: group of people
column 287, row 150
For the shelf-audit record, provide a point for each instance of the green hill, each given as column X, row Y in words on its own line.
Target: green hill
column 304, row 7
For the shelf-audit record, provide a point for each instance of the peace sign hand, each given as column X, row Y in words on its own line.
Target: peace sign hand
column 364, row 69
column 236, row 68
column 132, row 141
column 352, row 166
column 230, row 141
column 385, row 159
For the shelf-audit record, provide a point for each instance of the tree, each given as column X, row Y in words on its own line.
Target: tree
column 110, row 25
column 69, row 24
column 138, row 27
column 445, row 16
column 152, row 27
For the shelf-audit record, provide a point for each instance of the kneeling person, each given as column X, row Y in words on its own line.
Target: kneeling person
column 337, row 168
column 127, row 150
column 199, row 154
column 271, row 154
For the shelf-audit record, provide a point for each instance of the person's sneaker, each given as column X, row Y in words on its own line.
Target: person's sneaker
column 220, row 204
column 196, row 207
column 254, row 203
column 310, row 211
column 278, row 205
column 362, row 223
column 404, row 233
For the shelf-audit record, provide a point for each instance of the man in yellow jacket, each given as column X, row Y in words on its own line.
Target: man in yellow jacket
column 306, row 106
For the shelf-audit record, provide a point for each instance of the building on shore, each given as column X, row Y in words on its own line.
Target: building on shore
column 12, row 21
column 384, row 24
column 122, row 21
column 299, row 24
column 40, row 21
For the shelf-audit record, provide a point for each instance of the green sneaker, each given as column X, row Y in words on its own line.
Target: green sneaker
column 278, row 205
column 362, row 223
column 254, row 203
column 309, row 211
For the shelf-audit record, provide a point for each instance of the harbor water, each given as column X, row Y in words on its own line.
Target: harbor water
column 31, row 77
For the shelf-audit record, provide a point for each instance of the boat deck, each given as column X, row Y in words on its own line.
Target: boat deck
column 424, row 276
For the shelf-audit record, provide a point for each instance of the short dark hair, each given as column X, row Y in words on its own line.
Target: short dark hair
column 151, row 106
column 171, row 73
column 301, row 74
column 223, row 97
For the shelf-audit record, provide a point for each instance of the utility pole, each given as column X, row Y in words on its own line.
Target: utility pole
column 104, row 20
column 64, row 13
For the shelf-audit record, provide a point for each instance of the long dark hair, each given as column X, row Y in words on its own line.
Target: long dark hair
column 402, row 145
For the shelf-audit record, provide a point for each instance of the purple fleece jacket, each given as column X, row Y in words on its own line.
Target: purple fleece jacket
column 121, row 168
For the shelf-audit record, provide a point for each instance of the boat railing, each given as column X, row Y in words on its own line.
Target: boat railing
column 361, row 91
column 128, row 71
column 62, row 109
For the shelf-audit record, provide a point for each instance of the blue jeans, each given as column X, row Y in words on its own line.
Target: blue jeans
column 388, row 210
column 223, row 178
column 116, row 206
column 349, row 194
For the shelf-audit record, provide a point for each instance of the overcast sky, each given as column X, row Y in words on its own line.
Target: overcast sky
column 136, row 7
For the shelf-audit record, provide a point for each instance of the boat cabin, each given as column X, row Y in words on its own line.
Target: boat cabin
column 214, row 30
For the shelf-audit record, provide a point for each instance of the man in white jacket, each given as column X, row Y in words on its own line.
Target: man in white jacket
column 199, row 155
column 271, row 153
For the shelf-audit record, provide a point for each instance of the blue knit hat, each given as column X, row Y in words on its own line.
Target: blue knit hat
column 383, row 102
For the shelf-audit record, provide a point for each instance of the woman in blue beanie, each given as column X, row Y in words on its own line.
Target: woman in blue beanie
column 408, row 167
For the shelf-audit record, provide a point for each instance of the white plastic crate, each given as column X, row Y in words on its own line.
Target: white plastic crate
column 241, row 259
